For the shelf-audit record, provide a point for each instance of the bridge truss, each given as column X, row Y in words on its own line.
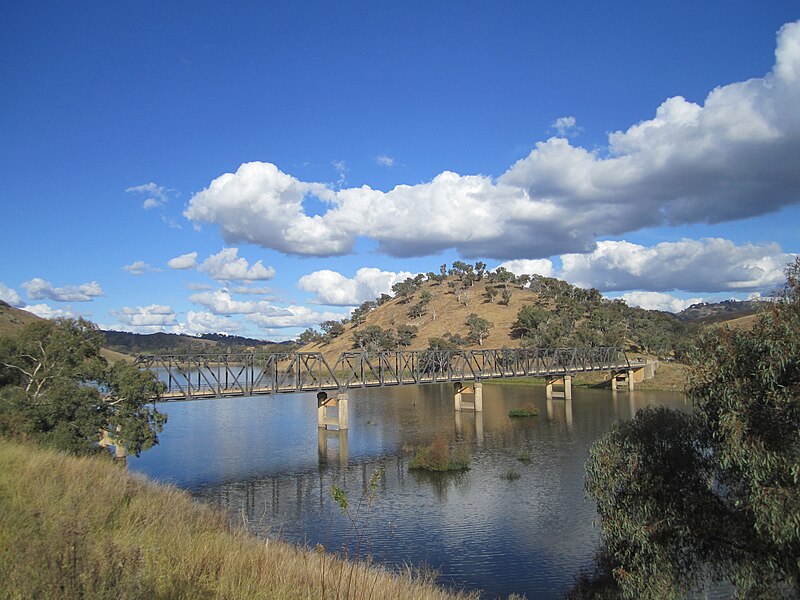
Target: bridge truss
column 246, row 374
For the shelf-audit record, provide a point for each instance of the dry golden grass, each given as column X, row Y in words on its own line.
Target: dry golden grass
column 86, row 528
column 450, row 317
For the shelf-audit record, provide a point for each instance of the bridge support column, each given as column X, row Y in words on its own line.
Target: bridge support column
column 461, row 403
column 324, row 420
column 560, row 380
column 622, row 379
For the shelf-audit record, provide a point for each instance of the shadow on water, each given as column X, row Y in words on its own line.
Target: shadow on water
column 265, row 462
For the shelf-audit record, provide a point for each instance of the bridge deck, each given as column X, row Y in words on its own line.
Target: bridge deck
column 245, row 374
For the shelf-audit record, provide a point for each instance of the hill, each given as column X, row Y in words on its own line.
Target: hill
column 166, row 343
column 450, row 309
column 715, row 312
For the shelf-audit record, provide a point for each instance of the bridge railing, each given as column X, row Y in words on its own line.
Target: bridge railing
column 215, row 375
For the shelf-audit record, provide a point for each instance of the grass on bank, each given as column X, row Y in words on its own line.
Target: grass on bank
column 86, row 528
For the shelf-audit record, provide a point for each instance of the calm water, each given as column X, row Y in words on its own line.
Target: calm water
column 264, row 460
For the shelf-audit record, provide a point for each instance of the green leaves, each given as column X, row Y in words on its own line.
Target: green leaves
column 57, row 388
column 715, row 492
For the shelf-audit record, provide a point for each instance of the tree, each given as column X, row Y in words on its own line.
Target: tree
column 404, row 289
column 406, row 333
column 506, row 296
column 331, row 330
column 478, row 328
column 717, row 492
column 57, row 389
column 309, row 336
column 374, row 338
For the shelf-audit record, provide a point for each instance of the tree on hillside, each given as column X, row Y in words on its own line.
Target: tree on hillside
column 374, row 338
column 406, row 333
column 404, row 289
column 57, row 389
column 682, row 496
column 478, row 328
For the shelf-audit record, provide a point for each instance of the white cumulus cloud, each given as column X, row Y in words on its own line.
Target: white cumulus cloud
column 47, row 312
column 10, row 296
column 384, row 160
column 733, row 156
column 536, row 266
column 38, row 288
column 184, row 261
column 228, row 266
column 658, row 301
column 146, row 319
column 198, row 323
column 293, row 316
column 706, row 265
column 335, row 289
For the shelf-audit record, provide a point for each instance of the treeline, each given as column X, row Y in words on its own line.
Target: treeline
column 559, row 315
column 172, row 343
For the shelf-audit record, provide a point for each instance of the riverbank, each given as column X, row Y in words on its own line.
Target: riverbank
column 669, row 377
column 86, row 527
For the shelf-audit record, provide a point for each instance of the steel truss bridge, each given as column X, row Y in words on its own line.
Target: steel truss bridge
column 191, row 376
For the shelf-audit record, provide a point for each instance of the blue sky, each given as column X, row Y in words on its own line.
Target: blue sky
column 258, row 168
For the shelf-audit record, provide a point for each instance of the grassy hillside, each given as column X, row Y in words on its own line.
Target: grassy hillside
column 557, row 314
column 86, row 528
column 12, row 318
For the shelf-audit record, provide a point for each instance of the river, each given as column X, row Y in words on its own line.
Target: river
column 264, row 461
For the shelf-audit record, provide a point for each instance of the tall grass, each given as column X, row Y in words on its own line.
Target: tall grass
column 86, row 528
column 439, row 457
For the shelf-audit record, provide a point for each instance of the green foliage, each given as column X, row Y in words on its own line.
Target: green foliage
column 525, row 411
column 374, row 338
column 718, row 491
column 406, row 333
column 309, row 336
column 331, row 330
column 478, row 328
column 58, row 390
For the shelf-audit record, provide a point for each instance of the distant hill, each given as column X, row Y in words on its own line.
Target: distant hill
column 166, row 343
column 121, row 345
column 715, row 312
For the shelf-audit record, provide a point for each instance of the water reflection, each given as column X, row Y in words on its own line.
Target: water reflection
column 257, row 459
column 336, row 438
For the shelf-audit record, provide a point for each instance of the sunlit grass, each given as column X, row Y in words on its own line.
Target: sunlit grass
column 86, row 528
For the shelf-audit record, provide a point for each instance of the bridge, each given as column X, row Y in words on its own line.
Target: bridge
column 194, row 376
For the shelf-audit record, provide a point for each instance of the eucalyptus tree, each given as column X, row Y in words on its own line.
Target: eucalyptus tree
column 56, row 388
column 682, row 497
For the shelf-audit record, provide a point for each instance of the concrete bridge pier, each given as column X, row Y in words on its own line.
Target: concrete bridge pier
column 476, row 391
column 565, row 381
column 324, row 419
column 622, row 380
